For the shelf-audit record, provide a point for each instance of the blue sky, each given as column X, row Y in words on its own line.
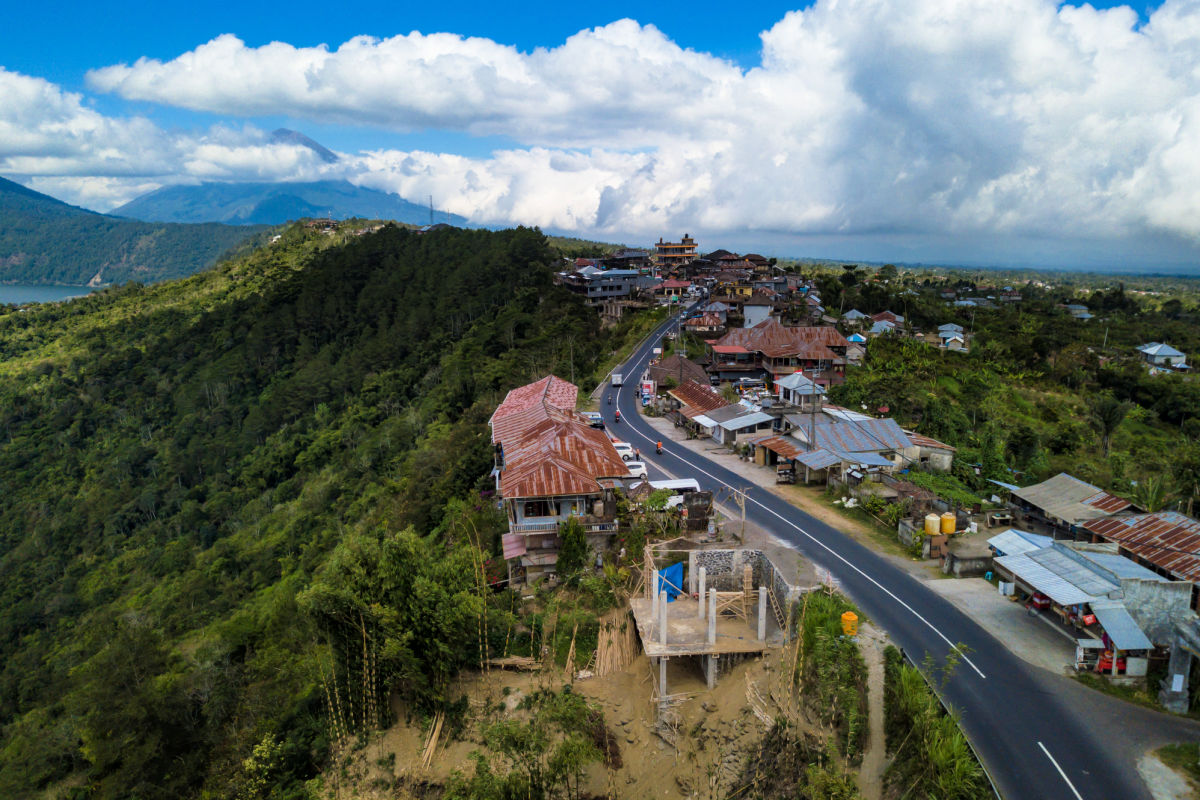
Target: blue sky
column 980, row 131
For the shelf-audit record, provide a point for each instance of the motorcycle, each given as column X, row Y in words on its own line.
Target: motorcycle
column 618, row 416
column 658, row 448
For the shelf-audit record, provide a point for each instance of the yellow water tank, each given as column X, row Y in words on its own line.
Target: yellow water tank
column 931, row 524
column 850, row 623
column 948, row 522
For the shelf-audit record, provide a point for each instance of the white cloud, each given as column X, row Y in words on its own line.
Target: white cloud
column 961, row 118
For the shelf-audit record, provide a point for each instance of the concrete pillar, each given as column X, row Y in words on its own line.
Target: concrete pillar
column 710, row 671
column 662, row 617
column 700, row 596
column 762, row 613
column 653, row 596
column 712, row 616
column 691, row 573
column 662, row 681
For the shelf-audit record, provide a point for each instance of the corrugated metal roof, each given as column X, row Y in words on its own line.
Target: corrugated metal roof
column 698, row 396
column 1013, row 542
column 819, row 459
column 921, row 440
column 1044, row 579
column 745, row 421
column 856, row 436
column 800, row 383
column 866, row 459
column 704, row 421
column 550, row 390
column 514, row 545
column 773, row 339
column 1070, row 499
column 1167, row 539
column 1159, row 349
column 1119, row 626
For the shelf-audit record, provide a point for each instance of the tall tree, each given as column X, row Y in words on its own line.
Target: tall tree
column 1107, row 415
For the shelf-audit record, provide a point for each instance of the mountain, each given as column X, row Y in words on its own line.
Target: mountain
column 285, row 136
column 187, row 469
column 277, row 203
column 46, row 241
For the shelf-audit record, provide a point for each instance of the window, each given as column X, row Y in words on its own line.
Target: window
column 537, row 508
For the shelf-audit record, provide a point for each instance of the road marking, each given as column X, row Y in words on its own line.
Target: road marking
column 1070, row 785
column 824, row 546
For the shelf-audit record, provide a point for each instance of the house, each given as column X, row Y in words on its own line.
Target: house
column 602, row 284
column 672, row 254
column 672, row 286
column 736, row 420
column 1165, row 542
column 675, row 370
column 950, row 328
column 928, row 453
column 1078, row 311
column 1013, row 542
column 756, row 309
column 798, row 390
column 856, row 338
column 888, row 316
column 705, row 323
column 837, row 442
column 882, row 327
column 550, row 466
column 772, row 349
column 856, row 351
column 1062, row 503
column 855, row 317
column 627, row 258
column 1163, row 357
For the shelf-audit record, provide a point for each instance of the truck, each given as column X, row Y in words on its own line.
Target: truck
column 617, row 380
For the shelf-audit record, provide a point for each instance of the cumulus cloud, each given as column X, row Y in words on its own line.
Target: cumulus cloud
column 960, row 118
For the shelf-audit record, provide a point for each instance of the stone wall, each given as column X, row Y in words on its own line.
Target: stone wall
column 723, row 572
column 1158, row 606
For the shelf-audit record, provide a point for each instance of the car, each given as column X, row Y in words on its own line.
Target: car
column 593, row 417
column 625, row 449
column 636, row 469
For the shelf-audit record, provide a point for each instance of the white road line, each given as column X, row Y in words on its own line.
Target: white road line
column 1070, row 785
column 828, row 549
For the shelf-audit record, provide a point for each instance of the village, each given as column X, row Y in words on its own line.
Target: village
column 1113, row 584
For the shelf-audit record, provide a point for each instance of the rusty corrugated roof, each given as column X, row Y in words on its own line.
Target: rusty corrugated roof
column 550, row 450
column 772, row 338
column 698, row 396
column 1166, row 539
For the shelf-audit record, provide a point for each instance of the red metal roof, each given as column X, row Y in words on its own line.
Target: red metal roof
column 729, row 348
column 1106, row 502
column 549, row 450
column 698, row 396
column 1166, row 539
column 773, row 339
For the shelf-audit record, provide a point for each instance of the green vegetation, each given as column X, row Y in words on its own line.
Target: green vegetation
column 1184, row 757
column 46, row 241
column 244, row 507
column 930, row 755
column 1039, row 392
column 831, row 670
column 944, row 486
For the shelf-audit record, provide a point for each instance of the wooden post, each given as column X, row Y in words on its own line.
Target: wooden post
column 700, row 595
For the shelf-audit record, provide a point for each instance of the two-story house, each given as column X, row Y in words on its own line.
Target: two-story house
column 772, row 349
column 551, row 465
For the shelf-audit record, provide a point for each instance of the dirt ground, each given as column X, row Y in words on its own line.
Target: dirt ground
column 714, row 732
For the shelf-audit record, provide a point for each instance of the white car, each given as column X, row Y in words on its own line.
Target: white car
column 594, row 419
column 637, row 469
column 625, row 449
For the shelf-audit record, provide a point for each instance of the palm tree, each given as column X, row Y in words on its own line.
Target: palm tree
column 1153, row 494
column 1107, row 415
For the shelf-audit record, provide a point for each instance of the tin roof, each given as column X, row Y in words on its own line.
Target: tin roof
column 1070, row 499
column 855, row 436
column 675, row 365
column 773, row 339
column 1159, row 349
column 921, row 440
column 698, row 396
column 1167, row 539
column 745, row 420
column 781, row 446
column 1013, row 542
column 818, row 459
column 800, row 383
column 549, row 450
column 1119, row 626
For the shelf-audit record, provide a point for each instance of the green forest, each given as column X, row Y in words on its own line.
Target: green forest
column 240, row 499
column 45, row 241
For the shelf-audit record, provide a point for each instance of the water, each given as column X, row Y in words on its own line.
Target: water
column 23, row 293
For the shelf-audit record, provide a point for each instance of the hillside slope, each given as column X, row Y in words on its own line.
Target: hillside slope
column 276, row 203
column 44, row 240
column 179, row 462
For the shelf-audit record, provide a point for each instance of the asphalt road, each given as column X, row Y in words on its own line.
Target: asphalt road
column 1031, row 740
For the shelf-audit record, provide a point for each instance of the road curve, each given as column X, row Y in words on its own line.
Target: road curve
column 1029, row 739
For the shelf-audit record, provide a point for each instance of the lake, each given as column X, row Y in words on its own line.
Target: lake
column 21, row 293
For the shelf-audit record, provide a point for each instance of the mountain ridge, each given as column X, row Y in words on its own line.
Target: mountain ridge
column 269, row 203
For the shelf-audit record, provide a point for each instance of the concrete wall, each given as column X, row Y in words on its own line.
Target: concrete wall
column 1157, row 606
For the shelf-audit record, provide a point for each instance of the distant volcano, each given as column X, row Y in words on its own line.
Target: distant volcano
column 285, row 136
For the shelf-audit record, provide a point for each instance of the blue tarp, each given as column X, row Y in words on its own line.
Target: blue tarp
column 670, row 580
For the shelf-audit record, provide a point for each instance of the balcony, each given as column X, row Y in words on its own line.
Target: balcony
column 590, row 525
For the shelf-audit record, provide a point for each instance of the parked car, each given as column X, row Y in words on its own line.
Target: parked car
column 636, row 468
column 625, row 449
column 593, row 417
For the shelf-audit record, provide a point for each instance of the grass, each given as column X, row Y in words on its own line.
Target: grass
column 1183, row 758
column 1141, row 696
column 872, row 528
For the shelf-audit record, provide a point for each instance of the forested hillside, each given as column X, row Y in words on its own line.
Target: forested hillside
column 217, row 490
column 45, row 241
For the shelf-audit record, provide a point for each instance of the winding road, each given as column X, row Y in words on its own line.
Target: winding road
column 1032, row 734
